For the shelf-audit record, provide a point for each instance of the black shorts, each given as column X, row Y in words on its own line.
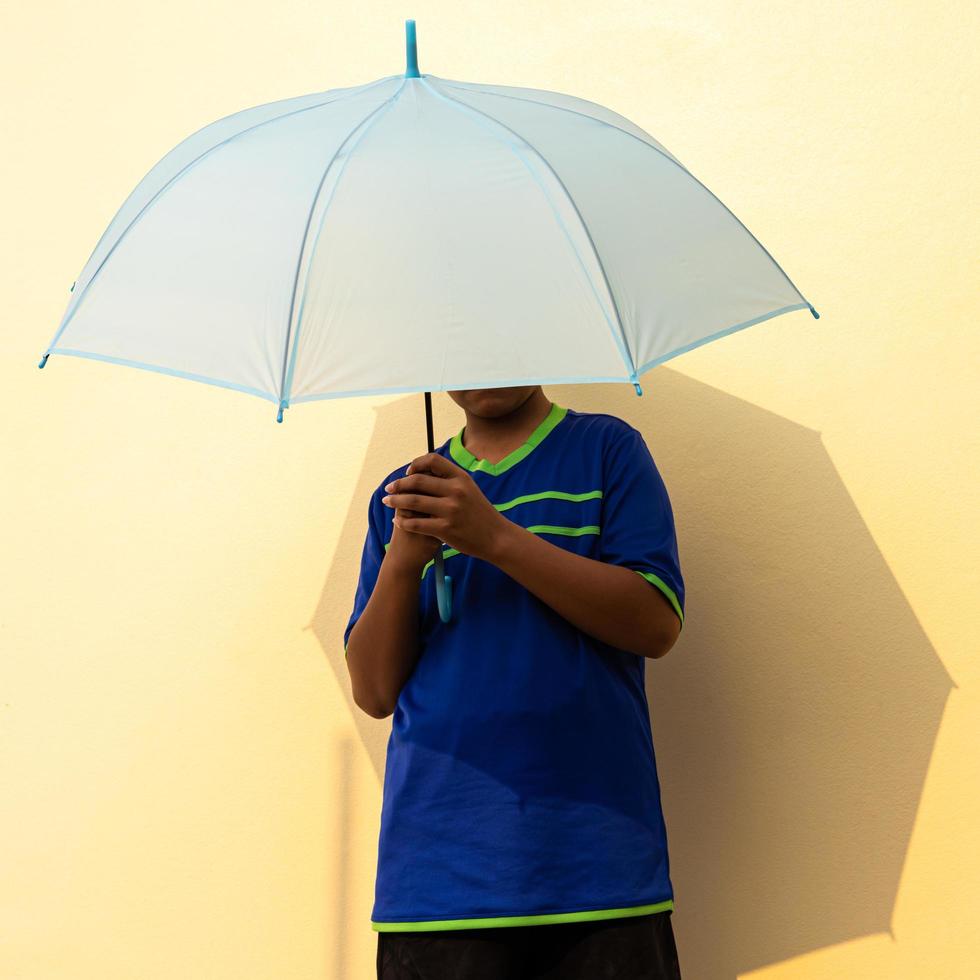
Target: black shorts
column 639, row 947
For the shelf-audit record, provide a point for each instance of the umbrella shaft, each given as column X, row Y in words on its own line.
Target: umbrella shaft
column 428, row 421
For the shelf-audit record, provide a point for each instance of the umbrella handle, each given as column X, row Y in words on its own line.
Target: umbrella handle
column 444, row 588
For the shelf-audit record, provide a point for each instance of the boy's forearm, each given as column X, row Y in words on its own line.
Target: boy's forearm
column 610, row 602
column 383, row 646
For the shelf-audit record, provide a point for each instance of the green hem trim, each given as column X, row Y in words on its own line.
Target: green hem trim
column 469, row 462
column 667, row 591
column 522, row 920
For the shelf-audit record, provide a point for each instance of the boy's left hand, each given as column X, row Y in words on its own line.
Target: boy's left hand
column 459, row 513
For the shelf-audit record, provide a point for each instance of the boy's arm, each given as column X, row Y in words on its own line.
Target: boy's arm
column 631, row 594
column 383, row 646
column 606, row 599
column 381, row 639
column 609, row 602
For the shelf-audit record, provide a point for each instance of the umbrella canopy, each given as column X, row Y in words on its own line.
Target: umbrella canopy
column 417, row 233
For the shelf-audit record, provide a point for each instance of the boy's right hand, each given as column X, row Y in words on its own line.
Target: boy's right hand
column 412, row 548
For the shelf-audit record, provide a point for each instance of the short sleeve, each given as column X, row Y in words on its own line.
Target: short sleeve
column 637, row 524
column 372, row 555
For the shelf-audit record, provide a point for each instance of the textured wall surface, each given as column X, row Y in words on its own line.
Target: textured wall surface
column 188, row 790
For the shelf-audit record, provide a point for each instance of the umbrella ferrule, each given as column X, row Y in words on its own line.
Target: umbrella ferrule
column 44, row 360
column 411, row 51
column 636, row 383
column 282, row 407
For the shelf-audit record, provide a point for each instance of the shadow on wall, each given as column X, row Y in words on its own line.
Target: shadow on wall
column 341, row 824
column 795, row 717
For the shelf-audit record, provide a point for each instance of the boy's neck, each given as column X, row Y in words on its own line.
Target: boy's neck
column 493, row 438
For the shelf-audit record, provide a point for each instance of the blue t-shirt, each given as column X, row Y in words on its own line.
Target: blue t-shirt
column 520, row 784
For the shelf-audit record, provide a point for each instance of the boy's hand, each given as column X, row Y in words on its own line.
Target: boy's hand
column 449, row 505
column 410, row 548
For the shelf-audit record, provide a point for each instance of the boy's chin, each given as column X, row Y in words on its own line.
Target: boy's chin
column 494, row 402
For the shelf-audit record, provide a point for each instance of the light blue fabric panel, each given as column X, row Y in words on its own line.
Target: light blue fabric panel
column 680, row 265
column 417, row 234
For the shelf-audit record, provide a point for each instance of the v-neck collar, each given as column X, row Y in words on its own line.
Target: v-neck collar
column 469, row 462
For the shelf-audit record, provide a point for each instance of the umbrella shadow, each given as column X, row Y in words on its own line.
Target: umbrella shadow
column 795, row 718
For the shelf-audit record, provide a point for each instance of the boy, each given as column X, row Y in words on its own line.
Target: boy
column 521, row 829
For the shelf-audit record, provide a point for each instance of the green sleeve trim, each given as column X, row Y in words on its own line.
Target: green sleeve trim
column 667, row 591
column 523, row 920
column 469, row 462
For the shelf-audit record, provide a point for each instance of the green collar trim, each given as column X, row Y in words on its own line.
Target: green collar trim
column 469, row 462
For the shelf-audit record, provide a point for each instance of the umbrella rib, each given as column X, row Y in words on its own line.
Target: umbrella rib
column 180, row 173
column 655, row 145
column 348, row 92
column 621, row 340
column 287, row 372
column 664, row 153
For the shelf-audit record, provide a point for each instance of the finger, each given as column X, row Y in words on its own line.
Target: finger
column 434, row 486
column 403, row 512
column 434, row 463
column 420, row 525
column 433, row 506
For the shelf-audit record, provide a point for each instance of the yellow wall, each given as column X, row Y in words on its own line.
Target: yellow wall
column 188, row 791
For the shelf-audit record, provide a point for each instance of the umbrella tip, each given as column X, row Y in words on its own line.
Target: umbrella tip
column 282, row 406
column 411, row 51
column 816, row 315
column 43, row 361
